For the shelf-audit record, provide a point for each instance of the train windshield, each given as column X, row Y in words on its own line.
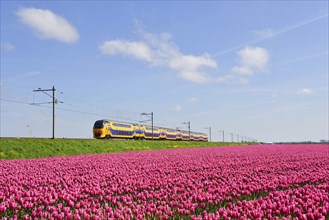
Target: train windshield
column 99, row 124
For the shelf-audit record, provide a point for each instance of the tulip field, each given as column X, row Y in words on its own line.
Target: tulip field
column 241, row 182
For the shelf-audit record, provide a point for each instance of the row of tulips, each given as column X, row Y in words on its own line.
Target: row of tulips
column 308, row 202
column 260, row 181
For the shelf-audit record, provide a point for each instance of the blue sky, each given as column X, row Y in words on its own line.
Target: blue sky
column 256, row 69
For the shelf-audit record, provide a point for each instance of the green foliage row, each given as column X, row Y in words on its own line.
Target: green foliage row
column 20, row 148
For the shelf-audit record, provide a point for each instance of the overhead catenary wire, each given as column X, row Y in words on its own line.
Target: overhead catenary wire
column 94, row 105
column 70, row 102
column 116, row 112
column 15, row 101
column 66, row 109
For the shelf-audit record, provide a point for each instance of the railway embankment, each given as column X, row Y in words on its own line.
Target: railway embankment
column 28, row 148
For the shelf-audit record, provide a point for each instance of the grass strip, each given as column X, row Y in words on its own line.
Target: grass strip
column 28, row 148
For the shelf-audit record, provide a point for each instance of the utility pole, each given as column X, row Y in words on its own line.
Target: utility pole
column 189, row 128
column 152, row 125
column 151, row 116
column 223, row 134
column 231, row 137
column 209, row 129
column 55, row 101
column 53, row 112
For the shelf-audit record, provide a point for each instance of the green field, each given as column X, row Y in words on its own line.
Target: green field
column 19, row 148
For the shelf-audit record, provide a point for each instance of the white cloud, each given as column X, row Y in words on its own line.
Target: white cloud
column 243, row 70
column 188, row 67
column 252, row 59
column 305, row 91
column 177, row 108
column 133, row 48
column 158, row 50
column 7, row 46
column 48, row 25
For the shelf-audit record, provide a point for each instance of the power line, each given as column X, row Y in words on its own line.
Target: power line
column 95, row 105
column 90, row 113
column 115, row 113
column 8, row 100
column 28, row 103
column 64, row 109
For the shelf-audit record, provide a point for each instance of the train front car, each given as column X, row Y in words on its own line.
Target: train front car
column 101, row 129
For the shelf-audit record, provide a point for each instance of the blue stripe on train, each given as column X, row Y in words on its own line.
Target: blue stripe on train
column 149, row 134
column 171, row 136
column 122, row 133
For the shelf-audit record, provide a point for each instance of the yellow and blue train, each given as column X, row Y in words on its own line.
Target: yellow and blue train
column 106, row 129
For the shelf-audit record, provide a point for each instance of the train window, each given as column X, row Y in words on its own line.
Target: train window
column 99, row 124
column 150, row 128
column 121, row 125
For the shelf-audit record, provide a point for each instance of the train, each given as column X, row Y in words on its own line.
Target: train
column 107, row 129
